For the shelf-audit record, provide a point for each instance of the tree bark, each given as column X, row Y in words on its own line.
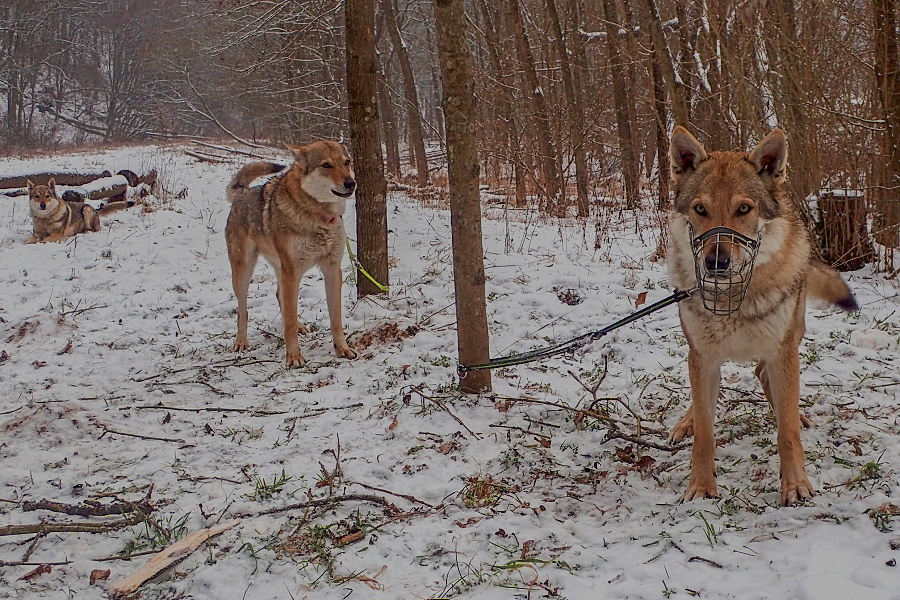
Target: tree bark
column 842, row 230
column 576, row 111
column 678, row 93
column 887, row 73
column 662, row 133
column 389, row 125
column 548, row 160
column 630, row 170
column 465, row 202
column 413, row 112
column 371, row 191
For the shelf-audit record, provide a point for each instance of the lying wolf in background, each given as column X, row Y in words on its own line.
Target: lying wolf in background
column 55, row 219
column 717, row 193
column 294, row 221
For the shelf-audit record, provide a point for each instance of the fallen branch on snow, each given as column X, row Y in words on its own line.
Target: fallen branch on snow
column 165, row 559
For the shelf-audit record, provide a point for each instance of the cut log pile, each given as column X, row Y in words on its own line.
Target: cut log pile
column 79, row 187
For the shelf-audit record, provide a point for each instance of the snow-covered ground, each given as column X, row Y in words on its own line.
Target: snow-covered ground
column 127, row 333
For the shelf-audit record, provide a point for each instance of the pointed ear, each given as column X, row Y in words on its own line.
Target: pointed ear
column 770, row 156
column 30, row 186
column 299, row 153
column 52, row 184
column 685, row 152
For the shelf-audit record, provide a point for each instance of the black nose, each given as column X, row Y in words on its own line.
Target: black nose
column 717, row 261
column 349, row 185
column 43, row 206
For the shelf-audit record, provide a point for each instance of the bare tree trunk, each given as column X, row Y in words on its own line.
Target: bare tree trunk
column 887, row 73
column 371, row 191
column 677, row 90
column 662, row 133
column 549, row 162
column 465, row 203
column 576, row 111
column 413, row 112
column 787, row 53
column 630, row 169
column 389, row 125
column 505, row 100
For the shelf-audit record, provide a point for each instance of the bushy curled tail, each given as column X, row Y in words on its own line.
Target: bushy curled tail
column 825, row 283
column 114, row 206
column 247, row 174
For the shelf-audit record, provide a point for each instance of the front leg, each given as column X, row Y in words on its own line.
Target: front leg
column 704, row 377
column 33, row 239
column 784, row 381
column 55, row 237
column 333, row 281
column 288, row 295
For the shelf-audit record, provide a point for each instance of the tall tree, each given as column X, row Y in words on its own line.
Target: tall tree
column 371, row 191
column 630, row 169
column 576, row 110
column 887, row 74
column 549, row 161
column 465, row 202
column 413, row 110
column 676, row 87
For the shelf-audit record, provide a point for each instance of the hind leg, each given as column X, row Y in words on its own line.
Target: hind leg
column 91, row 219
column 243, row 255
column 301, row 328
column 763, row 377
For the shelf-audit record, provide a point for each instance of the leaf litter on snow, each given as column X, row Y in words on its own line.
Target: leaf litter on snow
column 373, row 475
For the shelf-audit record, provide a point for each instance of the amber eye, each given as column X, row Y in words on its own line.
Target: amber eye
column 327, row 166
column 347, row 163
column 743, row 209
column 700, row 209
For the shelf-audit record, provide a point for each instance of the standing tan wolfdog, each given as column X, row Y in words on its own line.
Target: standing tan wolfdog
column 294, row 221
column 732, row 210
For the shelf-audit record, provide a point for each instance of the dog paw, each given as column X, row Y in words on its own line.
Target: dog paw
column 240, row 346
column 345, row 352
column 294, row 359
column 700, row 489
column 684, row 428
column 804, row 420
column 796, row 491
column 302, row 329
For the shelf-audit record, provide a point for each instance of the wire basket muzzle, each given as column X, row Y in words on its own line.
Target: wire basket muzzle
column 723, row 260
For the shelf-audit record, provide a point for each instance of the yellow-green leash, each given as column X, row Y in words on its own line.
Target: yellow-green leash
column 362, row 269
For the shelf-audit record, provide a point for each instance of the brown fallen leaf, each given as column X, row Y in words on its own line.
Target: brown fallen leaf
column 40, row 570
column 503, row 405
column 99, row 575
column 393, row 424
column 641, row 299
column 468, row 522
column 448, row 447
column 349, row 538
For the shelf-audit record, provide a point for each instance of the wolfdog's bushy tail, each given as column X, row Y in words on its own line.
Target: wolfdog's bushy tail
column 825, row 283
column 247, row 174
